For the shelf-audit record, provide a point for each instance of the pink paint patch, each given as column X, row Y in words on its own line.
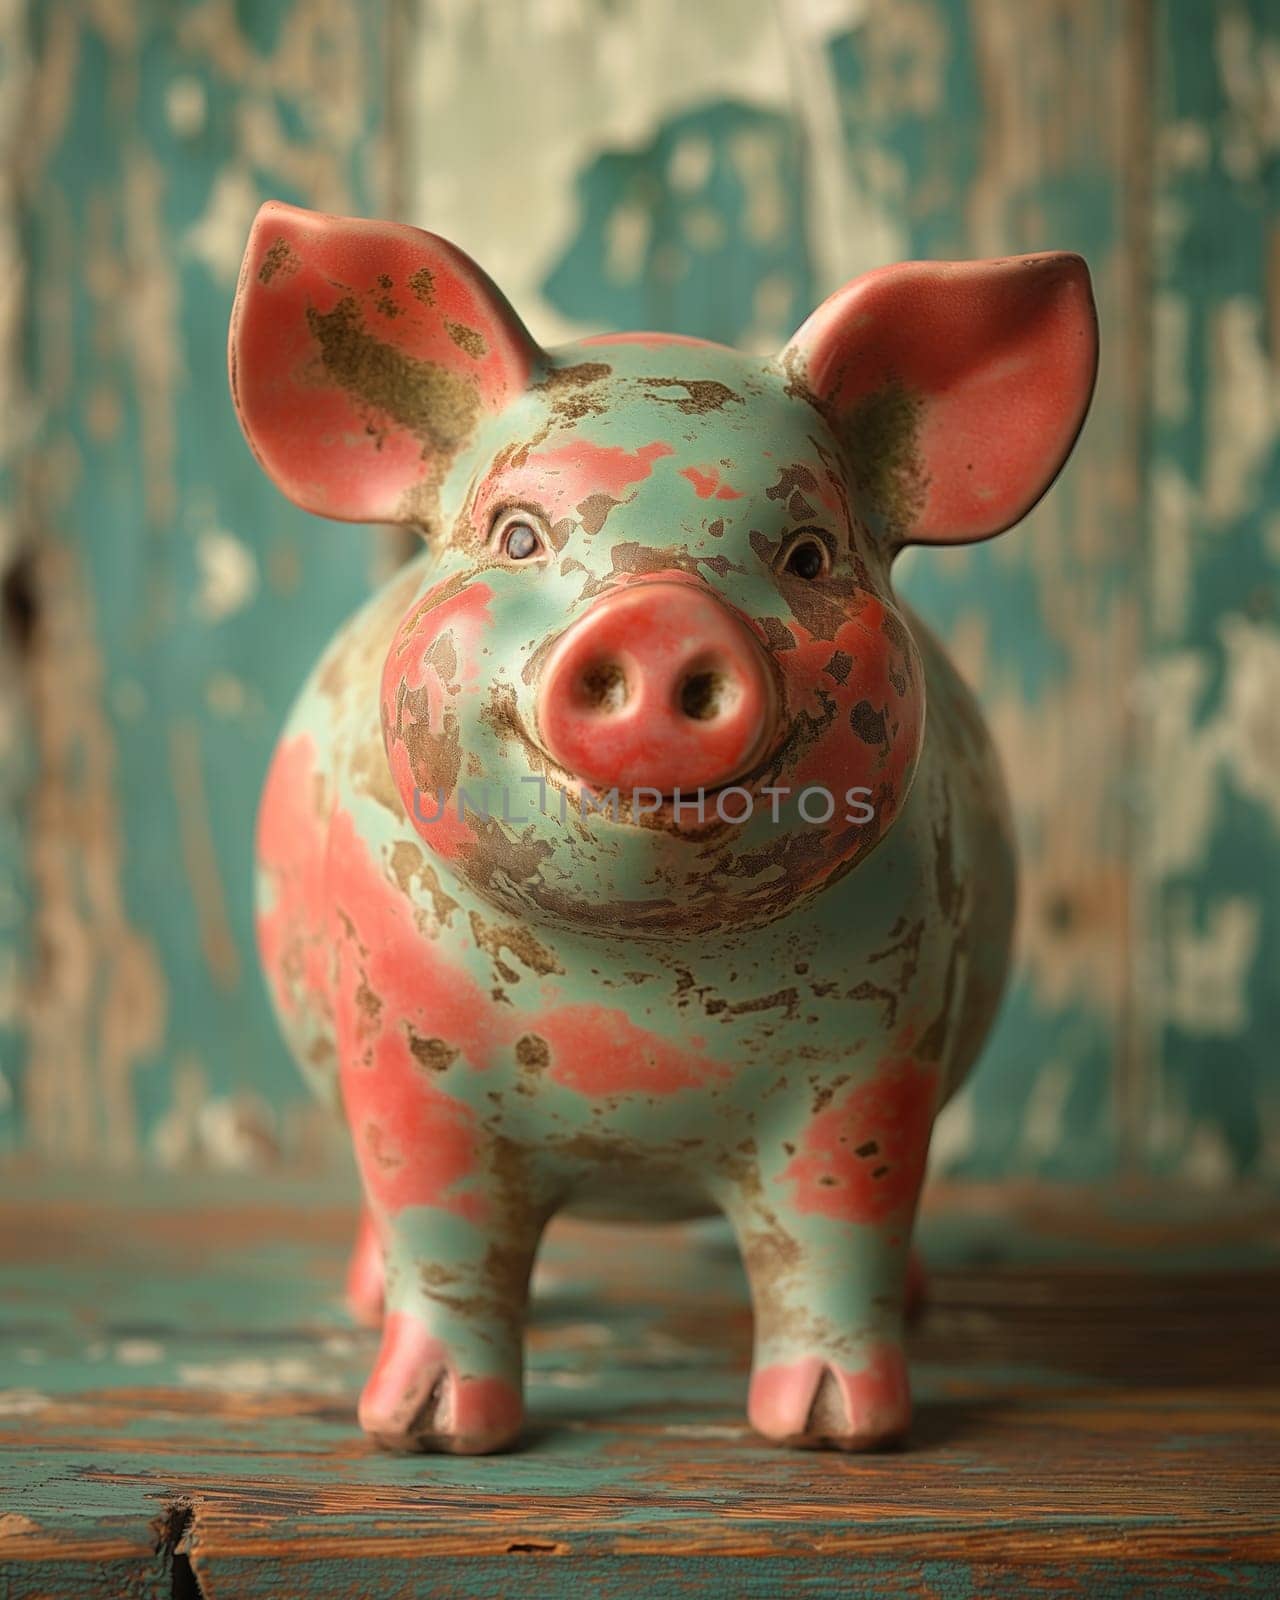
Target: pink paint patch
column 463, row 616
column 862, row 1158
column 472, row 1414
column 598, row 1050
column 365, row 1274
column 706, row 484
column 561, row 478
column 408, row 974
column 876, row 1401
column 292, row 934
column 605, row 469
column 416, row 1143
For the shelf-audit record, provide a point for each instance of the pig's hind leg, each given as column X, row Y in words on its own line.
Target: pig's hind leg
column 365, row 1277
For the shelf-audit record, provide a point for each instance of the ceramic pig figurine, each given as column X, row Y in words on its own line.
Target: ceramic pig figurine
column 636, row 850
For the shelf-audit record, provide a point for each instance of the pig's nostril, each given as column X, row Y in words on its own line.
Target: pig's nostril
column 705, row 695
column 603, row 687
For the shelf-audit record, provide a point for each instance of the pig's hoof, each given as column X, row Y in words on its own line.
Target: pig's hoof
column 364, row 1277
column 815, row 1404
column 416, row 1400
column 462, row 1416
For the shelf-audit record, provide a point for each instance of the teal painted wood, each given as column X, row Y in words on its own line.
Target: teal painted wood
column 706, row 266
column 1214, row 596
column 181, row 598
column 159, row 1401
column 15, row 733
column 1124, row 641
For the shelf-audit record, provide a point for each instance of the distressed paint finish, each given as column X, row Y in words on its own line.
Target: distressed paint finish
column 784, row 147
column 1212, row 866
column 666, row 188
column 660, row 566
column 156, row 553
column 1090, row 1423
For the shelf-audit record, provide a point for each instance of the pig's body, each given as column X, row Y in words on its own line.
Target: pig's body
column 662, row 567
column 814, row 1001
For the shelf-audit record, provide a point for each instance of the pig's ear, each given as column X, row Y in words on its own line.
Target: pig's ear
column 957, row 388
column 363, row 355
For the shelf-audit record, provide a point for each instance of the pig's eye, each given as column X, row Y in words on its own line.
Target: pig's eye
column 520, row 541
column 518, row 538
column 807, row 558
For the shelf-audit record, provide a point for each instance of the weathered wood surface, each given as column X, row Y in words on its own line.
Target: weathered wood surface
column 1097, row 1388
column 711, row 169
column 178, row 606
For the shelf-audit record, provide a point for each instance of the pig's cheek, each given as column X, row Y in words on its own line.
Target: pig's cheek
column 428, row 790
column 432, row 665
column 865, row 690
column 862, row 1158
column 457, row 607
column 904, row 713
column 435, row 652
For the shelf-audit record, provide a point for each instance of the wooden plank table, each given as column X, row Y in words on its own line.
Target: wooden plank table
column 1096, row 1388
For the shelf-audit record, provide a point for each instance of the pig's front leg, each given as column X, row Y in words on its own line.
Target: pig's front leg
column 824, row 1217
column 456, row 1215
column 449, row 1373
column 828, row 1369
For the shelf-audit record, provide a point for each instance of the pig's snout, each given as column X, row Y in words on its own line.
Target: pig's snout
column 658, row 686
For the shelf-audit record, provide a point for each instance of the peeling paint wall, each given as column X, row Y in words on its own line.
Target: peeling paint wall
column 1210, row 864
column 15, row 584
column 179, row 601
column 711, row 169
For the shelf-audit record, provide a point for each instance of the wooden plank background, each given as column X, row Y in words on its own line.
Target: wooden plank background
column 710, row 169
